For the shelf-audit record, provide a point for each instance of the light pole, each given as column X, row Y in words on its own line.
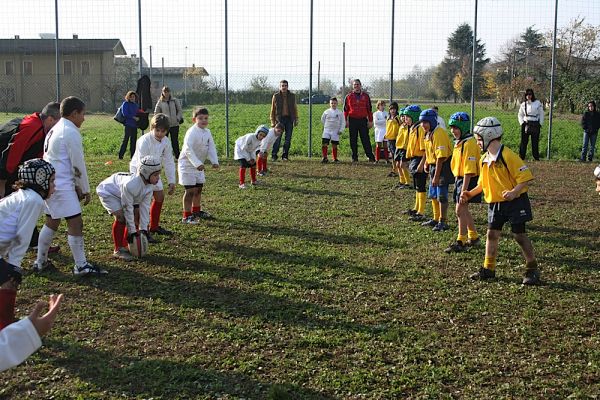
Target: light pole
column 185, row 79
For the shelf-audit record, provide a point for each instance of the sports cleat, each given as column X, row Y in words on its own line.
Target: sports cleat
column 441, row 227
column 261, row 173
column 203, row 215
column 190, row 220
column 285, row 159
column 242, row 186
column 336, row 161
column 88, row 269
column 391, row 174
column 417, row 218
column 473, row 242
column 430, row 223
column 410, row 212
column 532, row 277
column 151, row 238
column 37, row 267
column 456, row 247
column 256, row 183
column 123, row 254
column 324, row 160
column 483, row 274
column 162, row 231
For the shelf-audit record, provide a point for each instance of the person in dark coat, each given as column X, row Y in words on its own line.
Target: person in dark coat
column 590, row 122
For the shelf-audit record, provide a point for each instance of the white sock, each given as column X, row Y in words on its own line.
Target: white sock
column 44, row 242
column 76, row 245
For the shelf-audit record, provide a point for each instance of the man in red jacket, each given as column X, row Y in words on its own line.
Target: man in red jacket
column 359, row 119
column 26, row 144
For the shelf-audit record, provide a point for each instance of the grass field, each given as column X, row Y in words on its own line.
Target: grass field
column 315, row 286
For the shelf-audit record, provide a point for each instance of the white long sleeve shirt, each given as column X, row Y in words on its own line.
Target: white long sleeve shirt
column 246, row 146
column 131, row 190
column 148, row 145
column 333, row 120
column 19, row 214
column 63, row 148
column 267, row 143
column 17, row 342
column 380, row 119
column 531, row 111
column 198, row 146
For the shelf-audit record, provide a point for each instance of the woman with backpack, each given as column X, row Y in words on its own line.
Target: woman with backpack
column 171, row 107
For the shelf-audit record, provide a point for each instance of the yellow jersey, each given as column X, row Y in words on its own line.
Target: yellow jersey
column 402, row 138
column 465, row 158
column 437, row 145
column 392, row 125
column 502, row 172
column 415, row 146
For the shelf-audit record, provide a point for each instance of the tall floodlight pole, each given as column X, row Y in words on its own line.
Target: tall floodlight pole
column 185, row 76
column 310, row 72
column 343, row 69
column 473, row 64
column 150, row 55
column 56, row 51
column 226, row 86
column 552, row 80
column 140, row 35
column 392, row 55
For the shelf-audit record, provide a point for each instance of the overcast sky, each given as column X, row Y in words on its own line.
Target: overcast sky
column 271, row 37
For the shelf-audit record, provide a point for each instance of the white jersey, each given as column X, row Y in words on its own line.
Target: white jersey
column 18, row 341
column 379, row 121
column 130, row 190
column 246, row 146
column 198, row 146
column 333, row 121
column 267, row 143
column 63, row 149
column 19, row 214
column 440, row 122
column 148, row 145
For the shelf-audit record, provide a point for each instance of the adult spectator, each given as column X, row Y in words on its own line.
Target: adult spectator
column 26, row 144
column 359, row 119
column 171, row 107
column 284, row 110
column 130, row 109
column 590, row 122
column 531, row 118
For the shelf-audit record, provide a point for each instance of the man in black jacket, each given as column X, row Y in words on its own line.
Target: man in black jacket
column 590, row 122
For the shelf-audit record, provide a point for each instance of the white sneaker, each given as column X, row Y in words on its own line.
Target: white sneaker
column 123, row 254
column 191, row 220
column 242, row 186
column 88, row 269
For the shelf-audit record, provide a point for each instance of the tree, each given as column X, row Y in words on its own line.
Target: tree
column 458, row 60
column 260, row 83
column 328, row 87
column 123, row 79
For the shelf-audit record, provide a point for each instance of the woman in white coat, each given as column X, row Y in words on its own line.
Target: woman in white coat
column 171, row 106
column 531, row 118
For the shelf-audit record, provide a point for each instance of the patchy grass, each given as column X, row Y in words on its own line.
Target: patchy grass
column 315, row 286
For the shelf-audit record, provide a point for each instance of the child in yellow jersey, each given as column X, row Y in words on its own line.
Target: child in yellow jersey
column 415, row 150
column 438, row 151
column 465, row 167
column 400, row 158
column 504, row 179
column 392, row 126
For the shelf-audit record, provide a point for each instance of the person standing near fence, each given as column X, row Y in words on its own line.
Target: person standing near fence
column 590, row 122
column 130, row 110
column 359, row 119
column 531, row 118
column 284, row 110
column 171, row 107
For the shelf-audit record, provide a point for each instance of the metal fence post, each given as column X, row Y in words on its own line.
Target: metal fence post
column 552, row 80
column 226, row 86
column 473, row 64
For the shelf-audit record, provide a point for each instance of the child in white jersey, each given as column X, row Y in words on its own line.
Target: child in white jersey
column 266, row 145
column 154, row 144
column 245, row 153
column 198, row 146
column 19, row 213
column 379, row 121
column 127, row 198
column 333, row 125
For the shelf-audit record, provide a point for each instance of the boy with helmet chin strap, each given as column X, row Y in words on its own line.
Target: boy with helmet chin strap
column 19, row 213
column 503, row 180
column 245, row 153
column 401, row 143
column 465, row 167
column 437, row 164
column 415, row 151
column 127, row 198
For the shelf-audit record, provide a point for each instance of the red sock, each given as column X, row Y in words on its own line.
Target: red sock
column 265, row 163
column 259, row 162
column 334, row 153
column 7, row 307
column 155, row 209
column 253, row 173
column 376, row 153
column 124, row 242
column 118, row 233
column 324, row 151
column 195, row 209
column 242, row 175
column 186, row 214
column 386, row 154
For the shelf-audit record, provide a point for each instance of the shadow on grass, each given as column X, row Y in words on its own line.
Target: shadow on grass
column 120, row 374
column 314, row 192
column 576, row 238
column 323, row 177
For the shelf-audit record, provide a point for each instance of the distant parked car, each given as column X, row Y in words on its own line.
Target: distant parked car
column 316, row 99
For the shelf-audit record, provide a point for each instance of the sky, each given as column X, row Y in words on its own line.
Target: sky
column 272, row 37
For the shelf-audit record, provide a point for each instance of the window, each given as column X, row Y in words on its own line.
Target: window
column 27, row 67
column 67, row 67
column 9, row 68
column 85, row 68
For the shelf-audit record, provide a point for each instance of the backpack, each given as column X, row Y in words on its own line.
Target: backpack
column 7, row 131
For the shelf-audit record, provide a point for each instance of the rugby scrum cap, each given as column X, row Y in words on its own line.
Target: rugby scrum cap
column 36, row 173
column 430, row 116
column 462, row 121
column 262, row 129
column 488, row 129
column 413, row 112
column 148, row 166
column 597, row 172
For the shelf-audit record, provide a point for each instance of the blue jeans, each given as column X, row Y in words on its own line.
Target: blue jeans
column 589, row 143
column 289, row 127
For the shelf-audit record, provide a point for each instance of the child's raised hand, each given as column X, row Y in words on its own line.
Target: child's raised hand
column 44, row 323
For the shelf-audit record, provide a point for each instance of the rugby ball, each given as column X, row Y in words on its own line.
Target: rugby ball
column 139, row 247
